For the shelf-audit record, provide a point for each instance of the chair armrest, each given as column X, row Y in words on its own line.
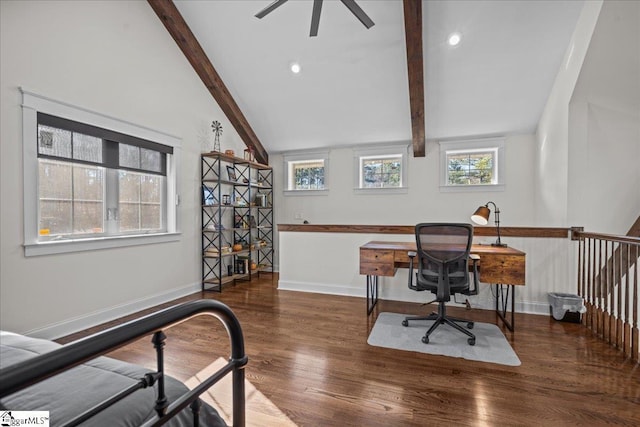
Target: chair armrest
column 476, row 282
column 412, row 255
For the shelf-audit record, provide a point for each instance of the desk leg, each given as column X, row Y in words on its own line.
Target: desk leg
column 372, row 292
column 502, row 301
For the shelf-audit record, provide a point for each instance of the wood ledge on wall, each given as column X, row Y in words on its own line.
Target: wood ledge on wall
column 547, row 232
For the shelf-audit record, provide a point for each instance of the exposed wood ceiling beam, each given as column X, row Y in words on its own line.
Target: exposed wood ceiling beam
column 181, row 33
column 413, row 39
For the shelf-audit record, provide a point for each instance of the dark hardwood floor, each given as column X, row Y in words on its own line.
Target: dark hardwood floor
column 308, row 354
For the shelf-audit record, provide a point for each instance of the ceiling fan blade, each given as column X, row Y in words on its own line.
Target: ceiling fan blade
column 315, row 18
column 359, row 13
column 267, row 10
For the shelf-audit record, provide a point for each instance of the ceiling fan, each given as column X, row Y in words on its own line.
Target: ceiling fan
column 315, row 17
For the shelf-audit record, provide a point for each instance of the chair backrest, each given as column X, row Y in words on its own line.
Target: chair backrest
column 443, row 253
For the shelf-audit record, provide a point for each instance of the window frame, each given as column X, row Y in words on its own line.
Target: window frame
column 472, row 146
column 381, row 152
column 302, row 157
column 32, row 104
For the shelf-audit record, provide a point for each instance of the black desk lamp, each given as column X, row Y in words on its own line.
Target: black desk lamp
column 481, row 217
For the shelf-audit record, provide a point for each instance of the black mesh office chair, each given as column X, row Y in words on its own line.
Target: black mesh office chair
column 443, row 269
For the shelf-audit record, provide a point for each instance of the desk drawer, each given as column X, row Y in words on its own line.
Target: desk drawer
column 505, row 269
column 376, row 256
column 377, row 269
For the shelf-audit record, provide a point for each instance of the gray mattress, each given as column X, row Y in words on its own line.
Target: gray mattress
column 72, row 392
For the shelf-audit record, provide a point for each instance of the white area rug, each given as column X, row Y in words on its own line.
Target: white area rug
column 491, row 344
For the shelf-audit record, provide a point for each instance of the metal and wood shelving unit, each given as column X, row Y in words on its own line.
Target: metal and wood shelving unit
column 237, row 219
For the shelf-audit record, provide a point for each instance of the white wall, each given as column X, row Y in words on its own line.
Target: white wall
column 604, row 127
column 422, row 202
column 115, row 58
column 552, row 156
column 329, row 262
column 573, row 168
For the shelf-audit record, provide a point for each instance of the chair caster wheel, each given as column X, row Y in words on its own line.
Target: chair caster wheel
column 405, row 323
column 425, row 339
column 471, row 341
column 470, row 325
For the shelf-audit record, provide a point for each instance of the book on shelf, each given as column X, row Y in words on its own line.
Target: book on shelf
column 212, row 253
column 242, row 265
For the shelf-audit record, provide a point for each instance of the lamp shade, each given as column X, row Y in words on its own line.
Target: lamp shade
column 481, row 215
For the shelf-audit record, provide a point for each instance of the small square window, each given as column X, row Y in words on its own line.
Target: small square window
column 380, row 169
column 306, row 172
column 472, row 167
column 473, row 164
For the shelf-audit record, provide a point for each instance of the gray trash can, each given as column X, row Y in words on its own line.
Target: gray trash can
column 566, row 307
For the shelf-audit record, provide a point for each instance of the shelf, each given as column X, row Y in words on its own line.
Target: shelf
column 220, row 205
column 253, row 188
column 244, row 251
column 235, row 160
column 213, row 230
column 226, row 279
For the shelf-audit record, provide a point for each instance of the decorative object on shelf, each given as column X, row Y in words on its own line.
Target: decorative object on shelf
column 249, row 155
column 238, row 221
column 226, row 200
column 261, row 200
column 231, row 173
column 208, row 198
column 217, row 131
column 230, row 153
column 481, row 217
column 214, row 226
column 237, row 247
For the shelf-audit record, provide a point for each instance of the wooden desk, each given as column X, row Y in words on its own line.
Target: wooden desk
column 501, row 266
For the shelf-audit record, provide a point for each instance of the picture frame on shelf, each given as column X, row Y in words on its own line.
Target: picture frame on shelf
column 208, row 198
column 231, row 173
column 238, row 221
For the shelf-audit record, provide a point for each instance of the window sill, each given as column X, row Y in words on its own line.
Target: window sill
column 324, row 192
column 78, row 245
column 470, row 188
column 381, row 190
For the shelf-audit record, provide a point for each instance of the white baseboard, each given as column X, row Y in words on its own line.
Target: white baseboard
column 321, row 288
column 70, row 326
column 335, row 289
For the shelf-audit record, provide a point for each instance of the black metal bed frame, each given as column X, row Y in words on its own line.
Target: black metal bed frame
column 21, row 375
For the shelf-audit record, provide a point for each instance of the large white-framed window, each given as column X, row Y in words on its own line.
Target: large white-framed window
column 306, row 173
column 472, row 165
column 93, row 181
column 381, row 169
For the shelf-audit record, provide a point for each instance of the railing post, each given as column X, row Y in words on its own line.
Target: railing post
column 575, row 233
column 161, row 401
column 635, row 335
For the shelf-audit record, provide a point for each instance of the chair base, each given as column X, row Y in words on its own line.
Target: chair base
column 440, row 318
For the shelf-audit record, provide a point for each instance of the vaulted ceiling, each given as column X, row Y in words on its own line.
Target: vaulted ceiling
column 354, row 87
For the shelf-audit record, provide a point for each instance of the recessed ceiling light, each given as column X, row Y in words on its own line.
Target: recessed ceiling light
column 454, row 39
column 295, row 68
